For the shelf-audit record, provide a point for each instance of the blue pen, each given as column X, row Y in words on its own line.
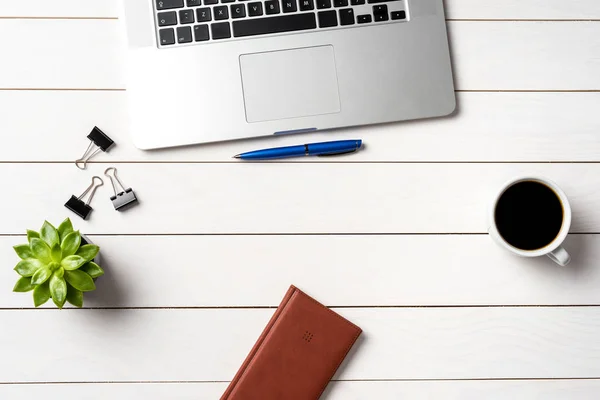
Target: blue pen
column 313, row 149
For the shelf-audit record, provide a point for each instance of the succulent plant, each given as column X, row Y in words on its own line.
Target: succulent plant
column 55, row 265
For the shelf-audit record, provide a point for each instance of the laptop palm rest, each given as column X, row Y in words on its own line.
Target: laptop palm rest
column 290, row 83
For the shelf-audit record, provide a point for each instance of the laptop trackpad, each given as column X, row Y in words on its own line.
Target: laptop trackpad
column 290, row 83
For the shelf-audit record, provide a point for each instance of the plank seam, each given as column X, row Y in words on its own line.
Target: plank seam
column 20, row 235
column 59, row 18
column 334, row 307
column 18, row 89
column 168, row 162
column 159, row 382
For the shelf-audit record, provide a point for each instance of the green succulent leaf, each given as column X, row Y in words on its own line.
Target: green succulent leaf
column 56, row 253
column 23, row 251
column 23, row 285
column 88, row 251
column 74, row 296
column 58, row 290
column 28, row 267
column 64, row 229
column 92, row 269
column 32, row 235
column 40, row 250
column 60, row 272
column 41, row 275
column 80, row 280
column 41, row 294
column 70, row 244
column 49, row 234
column 72, row 262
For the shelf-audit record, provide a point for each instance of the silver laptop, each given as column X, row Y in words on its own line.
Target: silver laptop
column 212, row 70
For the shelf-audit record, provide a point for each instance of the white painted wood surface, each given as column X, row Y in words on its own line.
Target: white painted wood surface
column 337, row 390
column 210, row 344
column 446, row 314
column 417, row 270
column 259, row 197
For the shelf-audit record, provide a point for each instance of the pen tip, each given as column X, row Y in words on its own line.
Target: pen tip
column 237, row 156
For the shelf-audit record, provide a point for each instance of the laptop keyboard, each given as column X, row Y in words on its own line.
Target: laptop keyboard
column 182, row 22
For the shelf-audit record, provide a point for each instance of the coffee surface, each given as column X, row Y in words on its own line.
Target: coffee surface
column 529, row 215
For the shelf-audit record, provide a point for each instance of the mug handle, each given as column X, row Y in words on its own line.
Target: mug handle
column 560, row 256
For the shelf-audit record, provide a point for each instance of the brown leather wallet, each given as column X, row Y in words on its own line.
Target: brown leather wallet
column 297, row 354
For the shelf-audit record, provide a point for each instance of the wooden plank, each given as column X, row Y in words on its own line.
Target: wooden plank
column 487, row 55
column 59, row 8
column 397, row 270
column 288, row 198
column 525, row 56
column 336, row 390
column 546, row 126
column 209, row 345
column 522, row 9
column 74, row 54
column 458, row 9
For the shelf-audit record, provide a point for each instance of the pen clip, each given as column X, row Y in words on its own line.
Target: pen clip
column 338, row 154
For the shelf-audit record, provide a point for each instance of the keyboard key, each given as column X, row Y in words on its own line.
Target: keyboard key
column 347, row 16
column 210, row 2
column 327, row 19
column 363, row 19
column 168, row 4
column 167, row 18
column 306, row 5
column 285, row 23
column 340, row 3
column 381, row 13
column 167, row 36
column 194, row 3
column 379, row 1
column 272, row 7
column 227, row 1
column 357, row 2
column 186, row 17
column 221, row 13
column 220, row 30
column 238, row 11
column 255, row 9
column 321, row 4
column 184, row 34
column 203, row 14
column 201, row 33
column 398, row 14
column 288, row 6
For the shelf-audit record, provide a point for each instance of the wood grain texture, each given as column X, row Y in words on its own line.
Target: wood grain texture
column 289, row 198
column 546, row 126
column 214, row 271
column 487, row 56
column 73, row 54
column 60, row 8
column 460, row 9
column 523, row 9
column 209, row 345
column 344, row 390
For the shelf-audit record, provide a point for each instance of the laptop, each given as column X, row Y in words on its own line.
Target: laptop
column 212, row 70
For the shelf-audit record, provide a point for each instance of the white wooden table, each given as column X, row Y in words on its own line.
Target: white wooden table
column 393, row 238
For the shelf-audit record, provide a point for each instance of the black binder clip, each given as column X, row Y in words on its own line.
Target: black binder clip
column 98, row 142
column 77, row 205
column 124, row 198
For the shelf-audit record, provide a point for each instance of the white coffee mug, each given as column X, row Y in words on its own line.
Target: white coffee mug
column 554, row 249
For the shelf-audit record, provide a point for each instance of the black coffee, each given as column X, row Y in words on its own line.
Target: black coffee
column 529, row 215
